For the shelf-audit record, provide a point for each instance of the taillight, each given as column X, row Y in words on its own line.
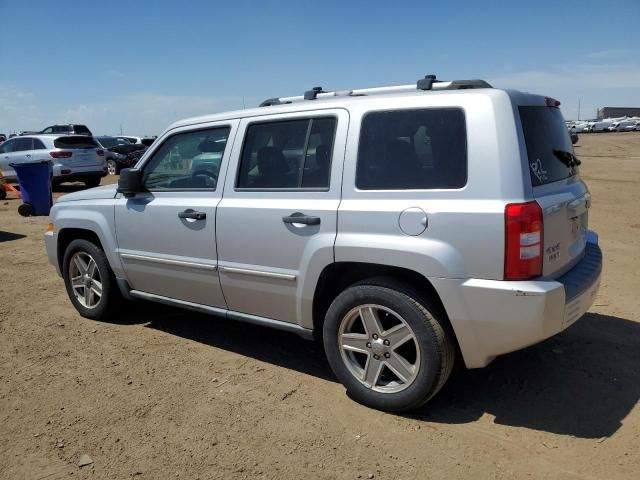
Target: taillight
column 56, row 154
column 100, row 152
column 524, row 241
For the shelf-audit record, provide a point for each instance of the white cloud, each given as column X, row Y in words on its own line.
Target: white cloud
column 139, row 114
column 578, row 76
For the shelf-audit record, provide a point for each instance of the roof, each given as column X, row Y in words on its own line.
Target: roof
column 332, row 102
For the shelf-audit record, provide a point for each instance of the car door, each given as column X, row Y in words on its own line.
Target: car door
column 18, row 152
column 6, row 157
column 277, row 219
column 167, row 234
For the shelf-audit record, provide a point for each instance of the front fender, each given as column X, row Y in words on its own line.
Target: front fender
column 97, row 217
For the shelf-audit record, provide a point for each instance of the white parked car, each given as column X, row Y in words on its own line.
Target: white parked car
column 628, row 126
column 600, row 127
column 74, row 157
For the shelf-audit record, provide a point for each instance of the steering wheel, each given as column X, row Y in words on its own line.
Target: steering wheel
column 211, row 177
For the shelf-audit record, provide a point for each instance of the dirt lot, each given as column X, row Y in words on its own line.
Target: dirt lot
column 167, row 394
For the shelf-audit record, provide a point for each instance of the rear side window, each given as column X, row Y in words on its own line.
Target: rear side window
column 412, row 149
column 75, row 142
column 291, row 154
column 549, row 146
column 38, row 145
column 23, row 144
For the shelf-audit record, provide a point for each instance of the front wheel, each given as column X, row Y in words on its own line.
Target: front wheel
column 391, row 350
column 89, row 281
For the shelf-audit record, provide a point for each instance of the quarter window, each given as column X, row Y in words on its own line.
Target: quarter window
column 291, row 154
column 188, row 160
column 412, row 149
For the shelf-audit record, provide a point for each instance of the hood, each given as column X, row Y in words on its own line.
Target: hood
column 97, row 193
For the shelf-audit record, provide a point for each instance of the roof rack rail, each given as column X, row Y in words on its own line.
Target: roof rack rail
column 427, row 83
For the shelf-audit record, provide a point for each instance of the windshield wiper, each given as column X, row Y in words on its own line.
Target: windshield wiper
column 568, row 158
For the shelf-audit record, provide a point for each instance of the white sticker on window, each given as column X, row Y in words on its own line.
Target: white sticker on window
column 538, row 171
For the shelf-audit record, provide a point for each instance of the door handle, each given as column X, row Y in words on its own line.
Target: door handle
column 298, row 217
column 190, row 213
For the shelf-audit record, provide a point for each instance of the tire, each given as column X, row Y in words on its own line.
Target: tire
column 3, row 193
column 430, row 351
column 112, row 167
column 92, row 182
column 26, row 210
column 110, row 295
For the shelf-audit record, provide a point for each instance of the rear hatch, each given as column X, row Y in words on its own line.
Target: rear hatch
column 83, row 150
column 563, row 197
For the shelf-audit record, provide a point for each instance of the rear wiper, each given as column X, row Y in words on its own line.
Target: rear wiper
column 568, row 158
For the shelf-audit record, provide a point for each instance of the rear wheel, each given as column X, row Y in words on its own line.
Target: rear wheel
column 89, row 281
column 112, row 167
column 390, row 349
column 92, row 182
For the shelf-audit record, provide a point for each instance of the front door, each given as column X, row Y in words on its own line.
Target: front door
column 277, row 219
column 167, row 234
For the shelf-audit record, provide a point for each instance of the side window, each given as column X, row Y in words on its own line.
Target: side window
column 48, row 130
column 8, row 146
column 189, row 160
column 23, row 144
column 291, row 154
column 38, row 145
column 412, row 149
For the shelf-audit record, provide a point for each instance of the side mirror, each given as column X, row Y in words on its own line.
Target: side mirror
column 130, row 182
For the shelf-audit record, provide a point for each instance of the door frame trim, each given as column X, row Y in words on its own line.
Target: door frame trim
column 259, row 273
column 231, row 315
column 168, row 261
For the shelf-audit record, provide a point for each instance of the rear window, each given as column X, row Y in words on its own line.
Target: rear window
column 412, row 149
column 549, row 146
column 81, row 130
column 75, row 142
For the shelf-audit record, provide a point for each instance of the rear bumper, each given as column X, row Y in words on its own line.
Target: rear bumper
column 492, row 317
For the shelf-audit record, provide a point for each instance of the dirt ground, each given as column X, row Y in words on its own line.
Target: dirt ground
column 162, row 393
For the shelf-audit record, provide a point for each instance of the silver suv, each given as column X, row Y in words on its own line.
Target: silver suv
column 409, row 227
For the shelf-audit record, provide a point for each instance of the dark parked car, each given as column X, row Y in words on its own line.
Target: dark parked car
column 120, row 153
column 67, row 129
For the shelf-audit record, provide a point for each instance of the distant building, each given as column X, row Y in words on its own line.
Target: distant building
column 607, row 112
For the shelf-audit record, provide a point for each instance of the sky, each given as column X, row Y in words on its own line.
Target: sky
column 141, row 65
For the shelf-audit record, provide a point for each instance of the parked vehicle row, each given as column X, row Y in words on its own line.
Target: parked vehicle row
column 398, row 224
column 607, row 125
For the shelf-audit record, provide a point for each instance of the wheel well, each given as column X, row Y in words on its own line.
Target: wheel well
column 68, row 235
column 338, row 276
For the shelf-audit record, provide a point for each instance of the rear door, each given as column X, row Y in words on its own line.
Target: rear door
column 278, row 216
column 563, row 197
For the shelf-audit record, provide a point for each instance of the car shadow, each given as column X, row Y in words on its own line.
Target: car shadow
column 69, row 187
column 9, row 236
column 583, row 382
